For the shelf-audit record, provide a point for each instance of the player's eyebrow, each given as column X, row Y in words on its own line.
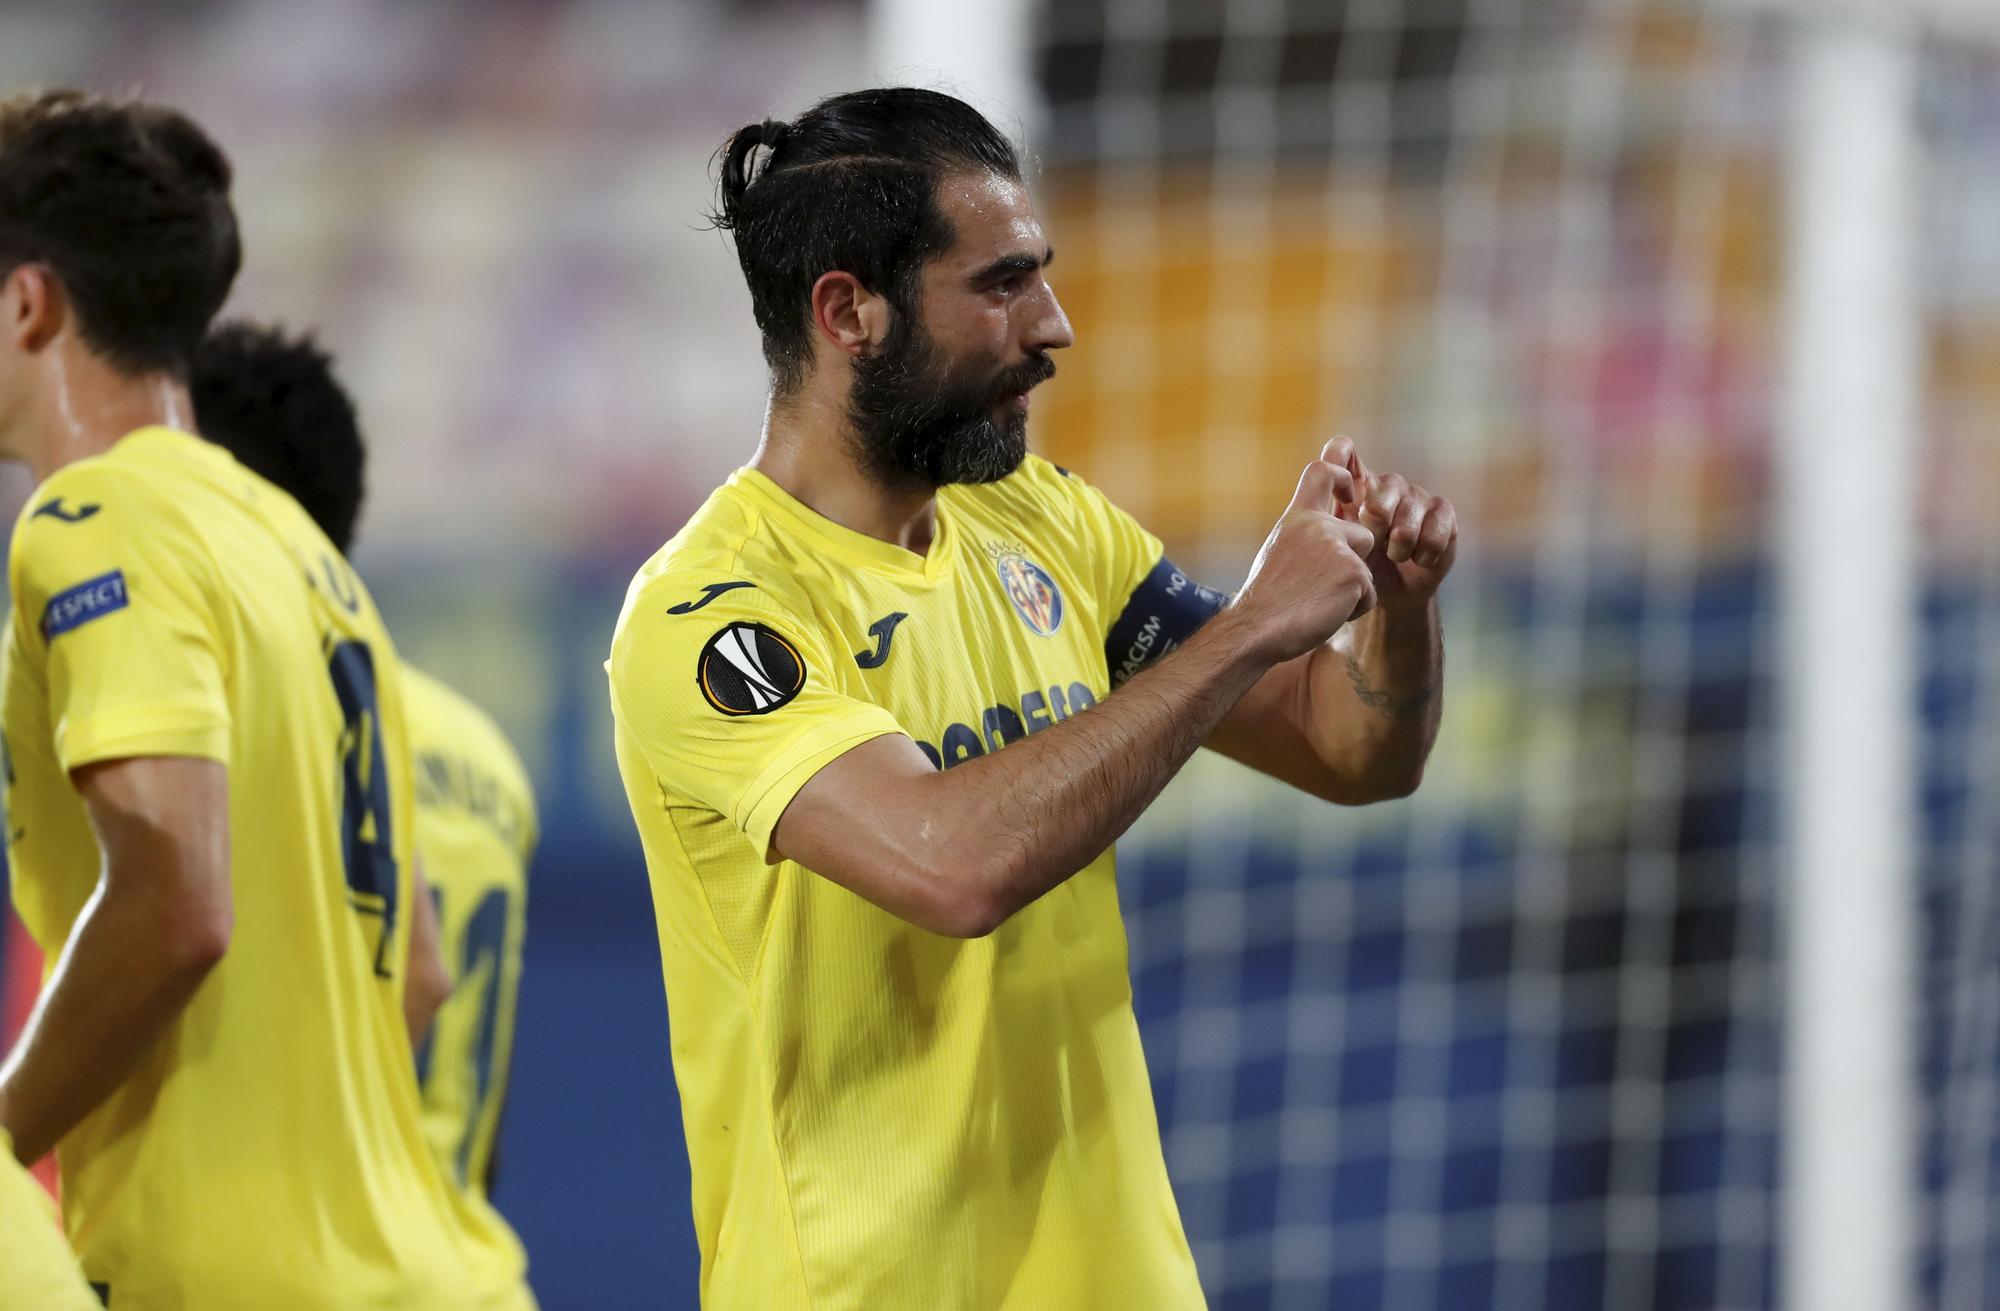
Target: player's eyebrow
column 1008, row 265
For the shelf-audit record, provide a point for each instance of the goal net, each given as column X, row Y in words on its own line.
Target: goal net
column 1515, row 1042
column 1960, row 690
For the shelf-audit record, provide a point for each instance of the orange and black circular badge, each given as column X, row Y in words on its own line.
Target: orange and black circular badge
column 748, row 669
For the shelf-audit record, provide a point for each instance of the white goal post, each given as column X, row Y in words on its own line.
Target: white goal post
column 1848, row 444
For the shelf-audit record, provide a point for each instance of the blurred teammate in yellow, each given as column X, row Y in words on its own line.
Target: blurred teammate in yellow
column 208, row 802
column 865, row 719
column 275, row 403
column 37, row 1270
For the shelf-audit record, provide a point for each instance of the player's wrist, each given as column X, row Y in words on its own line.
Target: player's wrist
column 1403, row 603
column 1241, row 635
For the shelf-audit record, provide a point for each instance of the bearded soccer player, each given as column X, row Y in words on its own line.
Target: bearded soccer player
column 865, row 718
column 274, row 401
column 207, row 800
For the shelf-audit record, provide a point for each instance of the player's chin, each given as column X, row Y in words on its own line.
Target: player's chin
column 990, row 453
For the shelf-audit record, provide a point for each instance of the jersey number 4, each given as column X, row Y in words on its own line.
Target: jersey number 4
column 367, row 848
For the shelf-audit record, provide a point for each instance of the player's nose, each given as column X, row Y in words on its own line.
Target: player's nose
column 1051, row 329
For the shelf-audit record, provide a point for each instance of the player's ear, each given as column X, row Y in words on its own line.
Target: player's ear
column 32, row 307
column 853, row 319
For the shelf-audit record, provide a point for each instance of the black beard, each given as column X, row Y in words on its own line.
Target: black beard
column 917, row 423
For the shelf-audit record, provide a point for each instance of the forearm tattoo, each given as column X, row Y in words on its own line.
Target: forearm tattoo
column 1386, row 703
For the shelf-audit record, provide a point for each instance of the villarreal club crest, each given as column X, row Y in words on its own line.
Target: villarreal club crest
column 1035, row 595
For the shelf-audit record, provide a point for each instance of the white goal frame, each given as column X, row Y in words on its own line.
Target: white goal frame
column 1848, row 441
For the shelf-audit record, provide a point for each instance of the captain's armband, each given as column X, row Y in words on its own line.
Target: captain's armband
column 1165, row 610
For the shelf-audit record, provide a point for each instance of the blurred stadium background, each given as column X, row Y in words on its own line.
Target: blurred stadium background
column 1517, row 1042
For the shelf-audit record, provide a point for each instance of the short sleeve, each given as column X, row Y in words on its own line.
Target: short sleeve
column 109, row 584
column 727, row 690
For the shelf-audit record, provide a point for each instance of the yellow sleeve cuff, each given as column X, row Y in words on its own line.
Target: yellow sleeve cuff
column 764, row 801
column 154, row 731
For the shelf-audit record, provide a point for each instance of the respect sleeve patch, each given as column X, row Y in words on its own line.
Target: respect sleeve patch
column 88, row 600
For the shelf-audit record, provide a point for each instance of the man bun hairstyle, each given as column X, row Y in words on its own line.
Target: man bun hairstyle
column 851, row 184
column 128, row 204
column 737, row 153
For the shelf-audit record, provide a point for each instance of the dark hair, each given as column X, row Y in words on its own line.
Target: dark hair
column 128, row 203
column 851, row 184
column 274, row 402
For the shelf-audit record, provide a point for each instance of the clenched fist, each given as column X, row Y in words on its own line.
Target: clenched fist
column 1415, row 532
column 1312, row 574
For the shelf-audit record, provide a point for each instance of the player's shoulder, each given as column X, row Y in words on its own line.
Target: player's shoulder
column 433, row 701
column 107, row 510
column 724, row 563
column 152, row 481
column 692, row 612
column 83, row 491
column 440, row 714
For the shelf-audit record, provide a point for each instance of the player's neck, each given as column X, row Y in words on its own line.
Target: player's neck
column 85, row 406
column 809, row 450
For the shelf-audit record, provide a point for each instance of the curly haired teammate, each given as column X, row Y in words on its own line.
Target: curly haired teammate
column 275, row 403
column 865, row 719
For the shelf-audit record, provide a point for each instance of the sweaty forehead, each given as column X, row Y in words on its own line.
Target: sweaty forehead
column 991, row 216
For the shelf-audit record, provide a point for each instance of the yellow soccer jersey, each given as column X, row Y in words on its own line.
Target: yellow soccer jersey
column 475, row 835
column 268, row 1151
column 880, row 1118
column 37, row 1270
